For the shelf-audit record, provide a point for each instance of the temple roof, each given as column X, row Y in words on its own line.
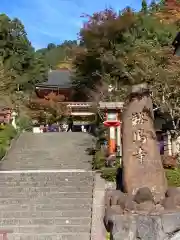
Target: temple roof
column 57, row 78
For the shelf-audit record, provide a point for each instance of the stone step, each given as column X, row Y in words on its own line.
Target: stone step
column 38, row 229
column 46, row 174
column 46, row 189
column 65, row 183
column 61, row 177
column 45, row 165
column 46, row 194
column 44, row 207
column 45, row 221
column 46, row 214
column 52, row 236
column 40, row 200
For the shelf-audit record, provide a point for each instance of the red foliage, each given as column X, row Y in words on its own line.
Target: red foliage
column 52, row 103
column 170, row 13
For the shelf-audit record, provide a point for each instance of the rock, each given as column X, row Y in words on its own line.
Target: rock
column 165, row 226
column 147, row 206
column 122, row 201
column 175, row 236
column 172, row 191
column 117, row 197
column 112, row 196
column 110, row 213
column 149, row 228
column 177, row 200
column 158, row 208
column 143, row 194
column 170, row 222
column 124, row 228
column 171, row 202
column 130, row 205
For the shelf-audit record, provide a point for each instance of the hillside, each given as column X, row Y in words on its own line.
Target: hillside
column 57, row 55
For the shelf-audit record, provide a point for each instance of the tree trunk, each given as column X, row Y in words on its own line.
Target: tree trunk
column 142, row 165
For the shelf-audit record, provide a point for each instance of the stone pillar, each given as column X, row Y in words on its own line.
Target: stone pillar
column 142, row 165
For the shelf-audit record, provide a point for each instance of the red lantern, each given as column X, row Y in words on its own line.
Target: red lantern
column 111, row 120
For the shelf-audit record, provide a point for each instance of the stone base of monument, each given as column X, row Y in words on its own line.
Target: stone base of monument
column 138, row 217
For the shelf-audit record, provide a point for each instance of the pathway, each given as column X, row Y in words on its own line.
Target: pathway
column 46, row 188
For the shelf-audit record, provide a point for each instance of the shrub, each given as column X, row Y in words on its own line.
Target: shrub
column 2, row 151
column 109, row 174
column 98, row 160
column 24, row 123
column 173, row 177
column 7, row 133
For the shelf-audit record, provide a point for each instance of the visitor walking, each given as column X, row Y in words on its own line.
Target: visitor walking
column 70, row 124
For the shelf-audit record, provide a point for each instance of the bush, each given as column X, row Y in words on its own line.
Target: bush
column 110, row 173
column 98, row 160
column 99, row 163
column 173, row 177
column 7, row 133
column 24, row 123
column 2, row 152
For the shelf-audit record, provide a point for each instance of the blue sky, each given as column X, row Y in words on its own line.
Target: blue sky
column 54, row 21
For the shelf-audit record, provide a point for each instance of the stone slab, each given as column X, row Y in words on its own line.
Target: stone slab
column 82, row 236
column 146, row 227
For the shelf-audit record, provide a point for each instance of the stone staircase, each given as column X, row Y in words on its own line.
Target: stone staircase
column 45, row 198
column 46, row 205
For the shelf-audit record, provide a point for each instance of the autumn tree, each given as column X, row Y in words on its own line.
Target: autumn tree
column 50, row 109
column 128, row 48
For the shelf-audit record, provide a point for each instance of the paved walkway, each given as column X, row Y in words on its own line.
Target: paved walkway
column 46, row 188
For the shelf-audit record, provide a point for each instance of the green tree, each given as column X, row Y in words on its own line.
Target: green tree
column 153, row 6
column 144, row 6
column 20, row 67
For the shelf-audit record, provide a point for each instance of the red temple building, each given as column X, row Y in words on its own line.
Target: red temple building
column 59, row 82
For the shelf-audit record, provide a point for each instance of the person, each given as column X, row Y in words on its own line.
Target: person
column 70, row 124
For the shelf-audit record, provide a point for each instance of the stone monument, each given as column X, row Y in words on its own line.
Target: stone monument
column 146, row 209
column 142, row 165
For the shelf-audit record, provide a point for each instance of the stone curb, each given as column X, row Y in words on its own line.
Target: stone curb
column 97, row 227
column 98, row 230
